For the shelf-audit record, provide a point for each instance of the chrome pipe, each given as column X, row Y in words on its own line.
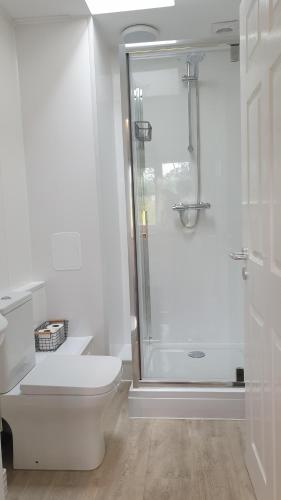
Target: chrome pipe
column 188, row 79
column 198, row 146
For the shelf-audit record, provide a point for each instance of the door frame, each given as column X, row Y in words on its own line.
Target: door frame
column 153, row 50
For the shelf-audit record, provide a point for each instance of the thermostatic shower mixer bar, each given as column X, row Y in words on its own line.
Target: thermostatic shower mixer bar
column 181, row 207
column 191, row 79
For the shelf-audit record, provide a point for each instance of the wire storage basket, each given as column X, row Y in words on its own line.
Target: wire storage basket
column 143, row 131
column 51, row 334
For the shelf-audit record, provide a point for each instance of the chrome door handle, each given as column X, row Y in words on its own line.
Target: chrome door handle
column 245, row 273
column 242, row 255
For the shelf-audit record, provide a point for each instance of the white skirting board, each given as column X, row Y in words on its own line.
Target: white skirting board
column 187, row 403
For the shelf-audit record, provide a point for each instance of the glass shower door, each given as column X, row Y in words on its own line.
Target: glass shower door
column 190, row 294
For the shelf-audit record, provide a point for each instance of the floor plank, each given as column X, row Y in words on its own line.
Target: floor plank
column 149, row 460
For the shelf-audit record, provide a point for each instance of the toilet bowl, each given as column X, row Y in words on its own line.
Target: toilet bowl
column 56, row 412
column 54, row 407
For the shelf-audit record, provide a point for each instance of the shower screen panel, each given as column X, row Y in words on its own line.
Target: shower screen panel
column 185, row 126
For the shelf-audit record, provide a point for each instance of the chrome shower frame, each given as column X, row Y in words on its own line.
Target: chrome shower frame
column 152, row 51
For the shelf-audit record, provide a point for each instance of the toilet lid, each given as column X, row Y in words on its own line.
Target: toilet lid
column 73, row 375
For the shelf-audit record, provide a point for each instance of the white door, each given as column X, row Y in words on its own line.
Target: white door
column 261, row 166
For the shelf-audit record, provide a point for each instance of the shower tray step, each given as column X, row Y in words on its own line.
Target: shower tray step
column 187, row 402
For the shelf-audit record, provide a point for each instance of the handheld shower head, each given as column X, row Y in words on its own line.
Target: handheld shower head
column 195, row 57
column 192, row 60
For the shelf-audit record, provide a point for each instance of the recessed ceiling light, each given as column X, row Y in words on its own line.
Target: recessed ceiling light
column 107, row 6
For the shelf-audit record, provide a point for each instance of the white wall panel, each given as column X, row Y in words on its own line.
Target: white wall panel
column 15, row 254
column 112, row 193
column 57, row 101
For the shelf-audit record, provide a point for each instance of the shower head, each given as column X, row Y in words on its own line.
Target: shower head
column 195, row 58
column 192, row 60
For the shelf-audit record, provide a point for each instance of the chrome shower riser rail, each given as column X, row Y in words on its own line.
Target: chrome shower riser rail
column 191, row 78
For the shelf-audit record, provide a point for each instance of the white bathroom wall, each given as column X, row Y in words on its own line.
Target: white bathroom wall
column 15, row 253
column 76, row 184
column 118, row 126
column 61, row 157
column 112, row 194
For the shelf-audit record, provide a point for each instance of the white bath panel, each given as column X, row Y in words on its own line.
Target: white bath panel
column 187, row 403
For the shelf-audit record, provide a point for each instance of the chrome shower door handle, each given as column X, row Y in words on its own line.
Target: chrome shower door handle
column 245, row 273
column 242, row 255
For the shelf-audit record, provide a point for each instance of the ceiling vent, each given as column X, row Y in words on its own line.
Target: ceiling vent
column 226, row 28
column 139, row 33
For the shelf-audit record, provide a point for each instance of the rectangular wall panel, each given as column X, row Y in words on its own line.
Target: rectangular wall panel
column 276, row 167
column 276, row 339
column 257, row 387
column 252, row 29
column 255, row 174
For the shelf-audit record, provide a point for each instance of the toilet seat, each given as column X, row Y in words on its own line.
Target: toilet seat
column 73, row 375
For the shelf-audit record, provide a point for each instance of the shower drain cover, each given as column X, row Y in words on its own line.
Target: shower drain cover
column 196, row 354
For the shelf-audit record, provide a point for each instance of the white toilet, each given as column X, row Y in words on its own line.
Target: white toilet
column 54, row 406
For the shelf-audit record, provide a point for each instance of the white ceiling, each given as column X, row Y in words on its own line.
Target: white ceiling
column 189, row 19
column 44, row 8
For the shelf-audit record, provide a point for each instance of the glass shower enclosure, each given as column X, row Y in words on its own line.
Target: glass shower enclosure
column 184, row 199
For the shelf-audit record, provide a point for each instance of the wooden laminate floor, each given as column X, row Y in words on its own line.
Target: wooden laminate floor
column 150, row 460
